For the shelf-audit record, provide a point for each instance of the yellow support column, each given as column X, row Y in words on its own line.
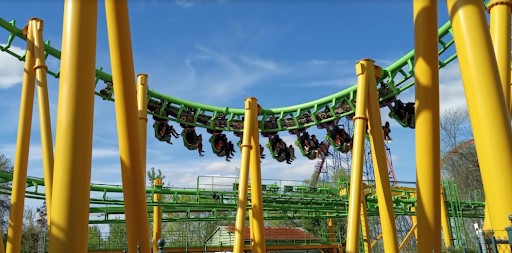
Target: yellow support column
column 380, row 165
column 428, row 148
column 128, row 132
column 407, row 237
column 22, row 149
column 487, row 108
column 157, row 215
column 330, row 229
column 257, row 222
column 364, row 68
column 142, row 107
column 73, row 146
column 238, row 246
column 44, row 111
column 500, row 33
column 365, row 229
column 445, row 222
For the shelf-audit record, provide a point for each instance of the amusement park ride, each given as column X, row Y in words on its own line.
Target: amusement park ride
column 426, row 211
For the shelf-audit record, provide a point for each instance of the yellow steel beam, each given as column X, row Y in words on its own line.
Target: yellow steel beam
column 364, row 70
column 500, row 34
column 238, row 246
column 407, row 237
column 73, row 142
column 487, row 108
column 257, row 222
column 365, row 228
column 445, row 222
column 380, row 165
column 44, row 112
column 22, row 148
column 157, row 216
column 428, row 149
column 142, row 107
column 128, row 133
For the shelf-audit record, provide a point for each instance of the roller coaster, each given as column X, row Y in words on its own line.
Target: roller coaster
column 280, row 201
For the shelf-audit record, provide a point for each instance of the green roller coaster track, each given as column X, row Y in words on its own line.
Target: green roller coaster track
column 281, row 202
column 398, row 77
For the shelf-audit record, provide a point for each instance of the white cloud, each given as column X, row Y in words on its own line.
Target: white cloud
column 104, row 153
column 11, row 69
column 451, row 90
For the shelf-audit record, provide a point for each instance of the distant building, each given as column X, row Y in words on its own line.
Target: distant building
column 225, row 236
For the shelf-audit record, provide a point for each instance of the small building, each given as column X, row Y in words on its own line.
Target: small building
column 225, row 236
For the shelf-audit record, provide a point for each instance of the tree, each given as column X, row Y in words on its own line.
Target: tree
column 5, row 166
column 33, row 236
column 152, row 175
column 459, row 161
column 95, row 239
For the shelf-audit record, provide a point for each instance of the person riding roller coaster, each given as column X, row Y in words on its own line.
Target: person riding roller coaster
column 339, row 138
column 191, row 140
column 279, row 150
column 221, row 145
column 387, row 130
column 164, row 131
column 310, row 147
column 403, row 113
column 107, row 91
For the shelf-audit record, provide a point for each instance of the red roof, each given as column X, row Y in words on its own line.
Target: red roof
column 280, row 233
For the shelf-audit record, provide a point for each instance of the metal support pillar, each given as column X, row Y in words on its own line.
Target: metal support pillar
column 257, row 222
column 364, row 70
column 73, row 146
column 365, row 228
column 500, row 34
column 44, row 111
column 238, row 246
column 428, row 147
column 157, row 215
column 381, row 171
column 486, row 105
column 22, row 149
column 445, row 222
column 128, row 132
column 142, row 107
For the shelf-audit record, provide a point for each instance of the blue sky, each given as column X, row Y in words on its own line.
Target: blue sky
column 220, row 52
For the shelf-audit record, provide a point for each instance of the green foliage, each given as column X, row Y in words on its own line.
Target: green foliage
column 117, row 236
column 5, row 166
column 33, row 236
column 95, row 239
column 152, row 175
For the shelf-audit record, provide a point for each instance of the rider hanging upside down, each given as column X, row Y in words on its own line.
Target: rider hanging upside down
column 222, row 145
column 340, row 139
column 280, row 150
column 387, row 129
column 191, row 140
column 403, row 113
column 164, row 131
column 311, row 147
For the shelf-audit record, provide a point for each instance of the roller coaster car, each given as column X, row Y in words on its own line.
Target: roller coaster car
column 157, row 128
column 343, row 146
column 403, row 114
column 274, row 154
column 302, row 136
column 311, row 155
column 106, row 93
column 385, row 91
column 190, row 138
column 280, row 156
column 217, row 147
